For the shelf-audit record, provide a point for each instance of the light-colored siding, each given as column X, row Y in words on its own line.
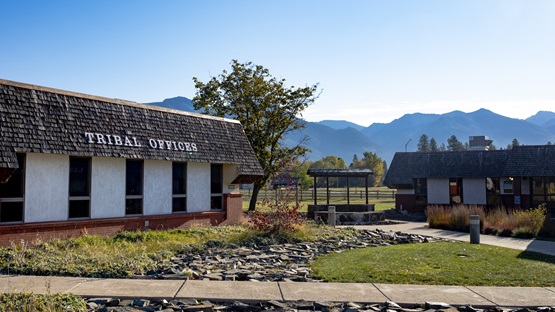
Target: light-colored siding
column 46, row 187
column 107, row 187
column 474, row 191
column 438, row 191
column 157, row 187
column 198, row 187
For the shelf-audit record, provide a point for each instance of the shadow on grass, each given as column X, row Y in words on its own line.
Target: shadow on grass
column 536, row 256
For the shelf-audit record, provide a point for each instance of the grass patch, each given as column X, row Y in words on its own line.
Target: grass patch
column 134, row 253
column 438, row 264
column 41, row 303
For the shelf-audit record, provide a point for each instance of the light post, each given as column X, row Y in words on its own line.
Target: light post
column 407, row 144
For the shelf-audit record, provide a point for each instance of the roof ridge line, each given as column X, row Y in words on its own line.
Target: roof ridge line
column 111, row 100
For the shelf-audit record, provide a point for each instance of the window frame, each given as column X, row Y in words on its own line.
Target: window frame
column 20, row 172
column 177, row 196
column 216, row 187
column 78, row 198
column 134, row 197
column 456, row 190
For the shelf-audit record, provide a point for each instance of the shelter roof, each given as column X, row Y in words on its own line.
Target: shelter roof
column 339, row 172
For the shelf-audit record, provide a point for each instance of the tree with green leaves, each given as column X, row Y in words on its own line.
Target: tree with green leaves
column 454, row 145
column 423, row 144
column 433, row 145
column 373, row 162
column 514, row 143
column 330, row 162
column 266, row 108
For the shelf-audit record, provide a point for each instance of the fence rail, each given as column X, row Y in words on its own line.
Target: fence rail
column 321, row 193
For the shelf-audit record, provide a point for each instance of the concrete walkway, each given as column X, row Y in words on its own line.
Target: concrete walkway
column 421, row 228
column 404, row 295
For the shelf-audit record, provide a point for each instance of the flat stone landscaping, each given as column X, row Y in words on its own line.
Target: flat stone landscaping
column 258, row 261
column 193, row 305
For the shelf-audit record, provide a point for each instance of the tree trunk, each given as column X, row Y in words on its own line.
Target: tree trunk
column 255, row 190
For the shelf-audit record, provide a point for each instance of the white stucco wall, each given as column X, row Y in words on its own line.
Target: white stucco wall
column 474, row 191
column 198, row 187
column 438, row 191
column 107, row 187
column 230, row 172
column 46, row 187
column 157, row 187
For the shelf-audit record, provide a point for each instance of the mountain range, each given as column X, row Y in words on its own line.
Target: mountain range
column 345, row 139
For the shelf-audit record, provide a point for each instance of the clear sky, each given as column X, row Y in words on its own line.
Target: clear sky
column 374, row 60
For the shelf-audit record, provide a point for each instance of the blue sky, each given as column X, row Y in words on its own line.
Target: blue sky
column 373, row 60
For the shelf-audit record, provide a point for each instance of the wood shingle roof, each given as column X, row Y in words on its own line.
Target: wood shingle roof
column 44, row 120
column 520, row 161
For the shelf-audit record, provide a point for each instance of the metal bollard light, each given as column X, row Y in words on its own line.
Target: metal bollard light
column 331, row 215
column 475, row 229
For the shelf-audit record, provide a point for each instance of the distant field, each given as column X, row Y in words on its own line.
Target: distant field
column 382, row 197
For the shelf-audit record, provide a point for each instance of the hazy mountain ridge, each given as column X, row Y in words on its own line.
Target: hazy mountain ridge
column 344, row 139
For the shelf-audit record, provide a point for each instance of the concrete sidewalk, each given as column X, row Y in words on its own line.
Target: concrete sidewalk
column 421, row 228
column 404, row 295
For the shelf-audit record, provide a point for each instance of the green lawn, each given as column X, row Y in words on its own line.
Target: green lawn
column 438, row 264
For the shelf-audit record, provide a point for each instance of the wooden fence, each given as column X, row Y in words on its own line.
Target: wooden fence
column 308, row 195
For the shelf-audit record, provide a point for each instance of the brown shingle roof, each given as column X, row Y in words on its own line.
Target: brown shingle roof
column 523, row 161
column 43, row 120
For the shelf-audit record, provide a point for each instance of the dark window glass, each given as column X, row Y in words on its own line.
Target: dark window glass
column 179, row 204
column 179, row 178
column 216, row 186
column 216, row 202
column 15, row 185
column 492, row 192
column 134, row 177
column 12, row 193
column 133, row 206
column 134, row 187
column 216, row 179
column 79, row 187
column 11, row 211
column 420, row 186
column 79, row 176
column 538, row 186
column 79, row 209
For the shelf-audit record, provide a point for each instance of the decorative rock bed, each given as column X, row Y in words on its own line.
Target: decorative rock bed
column 261, row 262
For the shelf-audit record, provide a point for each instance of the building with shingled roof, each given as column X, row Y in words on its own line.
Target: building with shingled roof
column 523, row 177
column 73, row 163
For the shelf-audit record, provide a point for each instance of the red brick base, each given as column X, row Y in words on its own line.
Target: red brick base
column 44, row 231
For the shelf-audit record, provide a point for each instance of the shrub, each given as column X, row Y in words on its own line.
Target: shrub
column 276, row 218
column 499, row 221
column 452, row 217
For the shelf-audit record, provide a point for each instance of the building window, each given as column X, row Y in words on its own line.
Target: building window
column 216, row 186
column 79, row 187
column 133, row 187
column 179, row 182
column 12, row 194
column 421, row 191
column 492, row 192
column 543, row 192
column 455, row 190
